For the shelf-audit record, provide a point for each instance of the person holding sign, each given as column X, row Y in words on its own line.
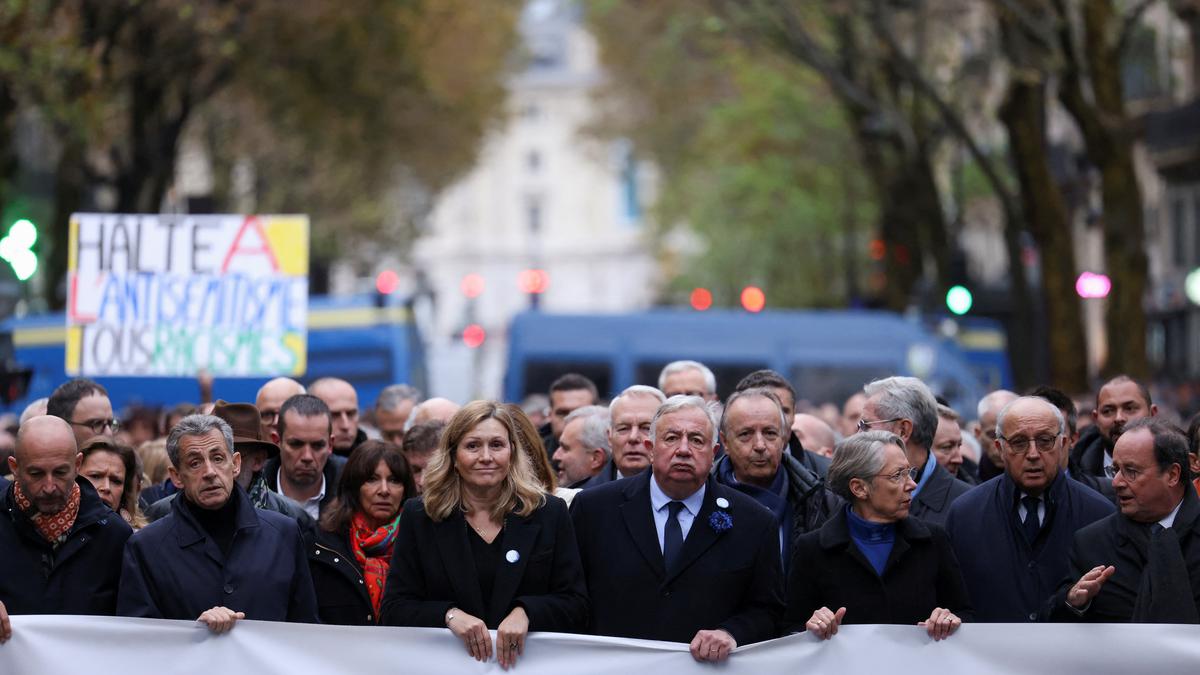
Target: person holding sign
column 485, row 547
column 872, row 562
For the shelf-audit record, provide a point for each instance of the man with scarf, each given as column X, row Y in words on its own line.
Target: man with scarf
column 215, row 558
column 61, row 546
column 255, row 450
column 1141, row 564
column 754, row 432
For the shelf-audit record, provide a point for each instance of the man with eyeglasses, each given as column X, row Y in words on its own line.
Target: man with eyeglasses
column 1012, row 534
column 1141, row 564
column 270, row 398
column 306, row 470
column 84, row 405
column 906, row 407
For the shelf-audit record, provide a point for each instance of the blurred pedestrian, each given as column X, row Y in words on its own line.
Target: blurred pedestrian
column 503, row 552
column 420, row 442
column 630, row 416
column 351, row 551
column 392, row 408
column 872, row 562
column 342, row 400
column 688, row 378
column 567, row 394
column 269, row 400
column 583, row 448
column 84, row 405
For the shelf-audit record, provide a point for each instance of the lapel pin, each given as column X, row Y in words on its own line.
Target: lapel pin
column 512, row 556
column 722, row 502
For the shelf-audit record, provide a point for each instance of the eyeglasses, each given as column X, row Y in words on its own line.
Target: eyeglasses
column 98, row 426
column 1020, row 444
column 1128, row 473
column 864, row 425
column 900, row 475
column 268, row 416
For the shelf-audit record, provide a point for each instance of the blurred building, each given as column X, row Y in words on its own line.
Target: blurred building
column 545, row 195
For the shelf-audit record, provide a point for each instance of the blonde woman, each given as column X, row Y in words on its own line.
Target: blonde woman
column 485, row 547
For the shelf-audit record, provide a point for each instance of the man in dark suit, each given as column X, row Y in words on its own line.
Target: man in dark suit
column 672, row 554
column 306, row 470
column 906, row 407
column 215, row 558
column 1143, row 563
column 1012, row 534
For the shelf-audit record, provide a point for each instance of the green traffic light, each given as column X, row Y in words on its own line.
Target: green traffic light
column 16, row 248
column 959, row 300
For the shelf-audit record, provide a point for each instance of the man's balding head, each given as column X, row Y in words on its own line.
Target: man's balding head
column 434, row 409
column 342, row 400
column 814, row 434
column 270, row 399
column 45, row 462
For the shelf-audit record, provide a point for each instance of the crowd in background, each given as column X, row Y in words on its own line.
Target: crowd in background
column 663, row 513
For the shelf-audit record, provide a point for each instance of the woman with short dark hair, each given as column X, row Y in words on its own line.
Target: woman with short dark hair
column 113, row 470
column 871, row 562
column 351, row 551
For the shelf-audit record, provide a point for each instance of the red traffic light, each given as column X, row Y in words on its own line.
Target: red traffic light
column 753, row 299
column 474, row 335
column 533, row 281
column 701, row 299
column 472, row 285
column 387, row 282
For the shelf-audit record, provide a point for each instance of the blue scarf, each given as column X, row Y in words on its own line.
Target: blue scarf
column 774, row 498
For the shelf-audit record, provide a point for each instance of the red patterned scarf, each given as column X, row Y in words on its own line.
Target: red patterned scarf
column 373, row 550
column 53, row 526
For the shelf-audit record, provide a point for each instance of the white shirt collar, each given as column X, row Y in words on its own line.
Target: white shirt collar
column 659, row 499
column 1170, row 519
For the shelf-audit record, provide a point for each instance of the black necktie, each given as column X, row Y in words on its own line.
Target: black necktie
column 673, row 535
column 1032, row 526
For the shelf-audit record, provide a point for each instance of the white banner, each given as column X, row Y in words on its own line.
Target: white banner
column 95, row 645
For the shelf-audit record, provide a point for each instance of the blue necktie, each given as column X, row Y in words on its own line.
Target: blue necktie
column 1032, row 526
column 672, row 536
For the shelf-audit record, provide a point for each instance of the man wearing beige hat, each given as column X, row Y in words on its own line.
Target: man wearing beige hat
column 243, row 418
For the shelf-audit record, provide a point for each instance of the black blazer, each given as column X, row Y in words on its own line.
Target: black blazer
column 342, row 597
column 1111, row 542
column 921, row 573
column 730, row 579
column 433, row 570
column 932, row 505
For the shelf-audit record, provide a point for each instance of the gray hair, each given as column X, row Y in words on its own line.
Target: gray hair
column 393, row 395
column 594, row 433
column 711, row 409
column 859, row 456
column 907, row 398
column 196, row 425
column 710, row 380
column 1058, row 416
column 947, row 413
column 988, row 402
column 785, row 428
column 635, row 391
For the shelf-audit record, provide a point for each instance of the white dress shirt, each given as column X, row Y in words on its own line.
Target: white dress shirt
column 659, row 505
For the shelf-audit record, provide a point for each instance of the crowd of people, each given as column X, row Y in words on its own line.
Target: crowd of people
column 662, row 514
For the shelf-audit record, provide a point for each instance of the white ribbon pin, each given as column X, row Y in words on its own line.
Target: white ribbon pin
column 722, row 503
column 512, row 556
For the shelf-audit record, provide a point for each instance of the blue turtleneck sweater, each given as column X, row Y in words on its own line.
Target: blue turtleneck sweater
column 873, row 539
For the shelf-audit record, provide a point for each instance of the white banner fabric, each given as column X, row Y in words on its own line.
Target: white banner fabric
column 96, row 645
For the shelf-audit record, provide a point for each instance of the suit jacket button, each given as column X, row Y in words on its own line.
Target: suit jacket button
column 337, row 560
column 370, row 618
column 666, row 594
column 1033, row 616
column 360, row 581
column 228, row 589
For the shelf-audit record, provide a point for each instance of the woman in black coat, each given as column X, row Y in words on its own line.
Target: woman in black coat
column 871, row 562
column 486, row 547
column 351, row 551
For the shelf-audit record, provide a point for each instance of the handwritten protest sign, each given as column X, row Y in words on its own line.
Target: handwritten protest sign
column 167, row 295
